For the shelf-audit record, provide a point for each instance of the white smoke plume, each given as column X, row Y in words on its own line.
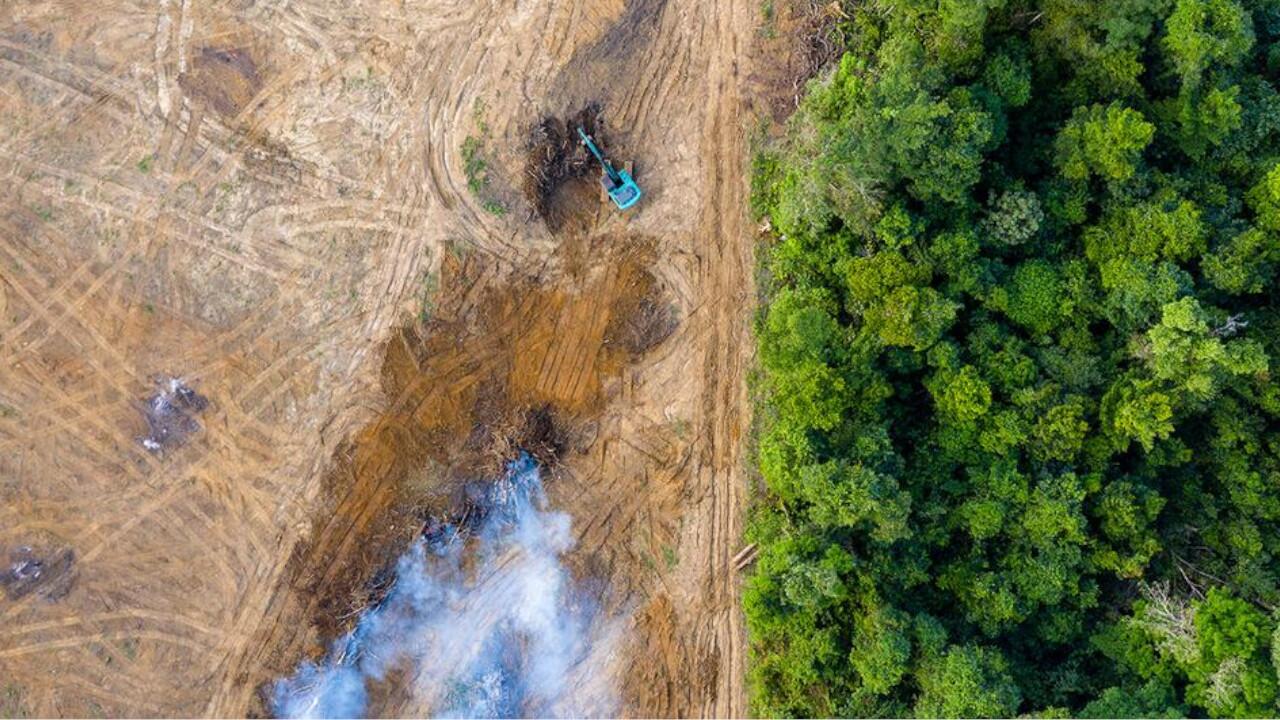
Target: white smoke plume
column 491, row 626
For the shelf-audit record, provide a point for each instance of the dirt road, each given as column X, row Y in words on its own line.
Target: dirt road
column 270, row 200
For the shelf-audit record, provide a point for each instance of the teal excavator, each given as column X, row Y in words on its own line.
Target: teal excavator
column 622, row 189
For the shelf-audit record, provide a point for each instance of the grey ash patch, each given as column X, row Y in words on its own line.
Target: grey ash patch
column 171, row 415
column 50, row 573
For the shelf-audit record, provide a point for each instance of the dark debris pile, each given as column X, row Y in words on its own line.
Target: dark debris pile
column 170, row 415
column 556, row 155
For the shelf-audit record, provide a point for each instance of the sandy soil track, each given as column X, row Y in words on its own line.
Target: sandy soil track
column 254, row 196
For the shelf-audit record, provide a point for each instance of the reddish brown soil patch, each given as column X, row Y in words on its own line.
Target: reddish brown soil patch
column 640, row 318
column 523, row 368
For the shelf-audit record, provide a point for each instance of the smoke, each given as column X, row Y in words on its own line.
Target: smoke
column 490, row 626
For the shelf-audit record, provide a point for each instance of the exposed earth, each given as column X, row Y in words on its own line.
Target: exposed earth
column 314, row 215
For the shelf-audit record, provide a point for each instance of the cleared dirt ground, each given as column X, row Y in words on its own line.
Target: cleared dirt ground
column 269, row 200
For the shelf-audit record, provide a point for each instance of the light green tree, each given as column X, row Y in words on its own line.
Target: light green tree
column 1103, row 141
column 967, row 681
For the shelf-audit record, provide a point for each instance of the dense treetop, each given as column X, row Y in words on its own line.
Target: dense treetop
column 1020, row 433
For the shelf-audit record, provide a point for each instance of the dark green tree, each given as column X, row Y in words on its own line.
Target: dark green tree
column 1018, row 423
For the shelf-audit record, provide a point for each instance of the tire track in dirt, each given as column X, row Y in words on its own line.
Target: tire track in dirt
column 690, row 611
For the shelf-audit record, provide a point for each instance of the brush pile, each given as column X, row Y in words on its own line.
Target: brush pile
column 556, row 155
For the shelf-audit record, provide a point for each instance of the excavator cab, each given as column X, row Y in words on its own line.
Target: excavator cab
column 618, row 183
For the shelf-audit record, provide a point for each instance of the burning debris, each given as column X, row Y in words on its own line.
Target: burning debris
column 170, row 414
column 483, row 617
column 49, row 573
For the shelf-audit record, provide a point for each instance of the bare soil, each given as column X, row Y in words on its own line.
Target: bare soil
column 268, row 201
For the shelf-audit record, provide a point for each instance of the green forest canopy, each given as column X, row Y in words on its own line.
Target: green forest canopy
column 1019, row 428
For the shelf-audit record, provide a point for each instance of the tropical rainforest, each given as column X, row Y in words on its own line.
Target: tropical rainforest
column 1018, row 427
